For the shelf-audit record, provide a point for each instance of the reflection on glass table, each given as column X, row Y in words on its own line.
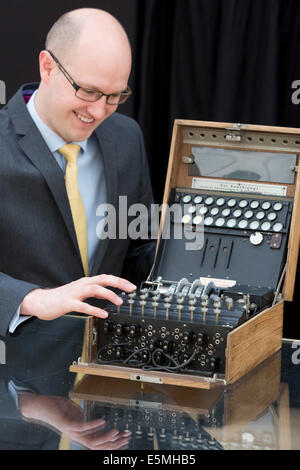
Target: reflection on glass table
column 254, row 414
column 44, row 406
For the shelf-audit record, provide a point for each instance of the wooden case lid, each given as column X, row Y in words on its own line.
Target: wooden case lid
column 252, row 138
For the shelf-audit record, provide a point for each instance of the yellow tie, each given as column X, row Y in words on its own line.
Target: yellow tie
column 70, row 152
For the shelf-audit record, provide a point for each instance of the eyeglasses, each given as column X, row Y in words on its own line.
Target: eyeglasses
column 93, row 95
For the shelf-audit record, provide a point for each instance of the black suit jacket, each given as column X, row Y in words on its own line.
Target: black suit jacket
column 58, row 344
column 38, row 246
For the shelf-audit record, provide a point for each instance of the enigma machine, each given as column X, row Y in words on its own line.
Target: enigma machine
column 212, row 307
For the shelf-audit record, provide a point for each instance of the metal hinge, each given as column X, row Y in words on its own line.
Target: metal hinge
column 79, row 362
column 237, row 127
column 94, row 336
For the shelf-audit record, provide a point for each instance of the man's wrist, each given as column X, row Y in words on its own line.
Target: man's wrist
column 28, row 305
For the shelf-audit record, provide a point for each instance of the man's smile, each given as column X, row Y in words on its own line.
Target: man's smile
column 84, row 119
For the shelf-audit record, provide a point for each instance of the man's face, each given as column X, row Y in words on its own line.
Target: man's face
column 69, row 116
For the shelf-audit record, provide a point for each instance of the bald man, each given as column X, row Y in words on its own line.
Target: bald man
column 84, row 72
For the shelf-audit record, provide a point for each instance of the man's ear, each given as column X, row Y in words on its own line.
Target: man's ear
column 46, row 66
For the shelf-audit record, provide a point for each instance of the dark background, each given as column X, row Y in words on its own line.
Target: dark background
column 216, row 60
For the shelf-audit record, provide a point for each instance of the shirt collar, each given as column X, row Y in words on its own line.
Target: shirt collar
column 53, row 140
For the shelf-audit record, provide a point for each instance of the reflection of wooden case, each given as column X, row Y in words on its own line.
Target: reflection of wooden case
column 236, row 405
column 260, row 337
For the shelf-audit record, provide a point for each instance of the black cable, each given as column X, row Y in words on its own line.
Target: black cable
column 185, row 363
column 169, row 368
column 122, row 361
column 137, row 363
column 138, row 352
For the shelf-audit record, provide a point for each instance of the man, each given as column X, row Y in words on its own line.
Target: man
column 49, row 264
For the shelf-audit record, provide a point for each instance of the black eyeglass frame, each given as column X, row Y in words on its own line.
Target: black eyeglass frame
column 125, row 94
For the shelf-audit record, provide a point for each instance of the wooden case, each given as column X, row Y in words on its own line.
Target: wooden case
column 260, row 337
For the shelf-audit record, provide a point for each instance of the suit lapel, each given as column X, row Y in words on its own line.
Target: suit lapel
column 108, row 149
column 36, row 150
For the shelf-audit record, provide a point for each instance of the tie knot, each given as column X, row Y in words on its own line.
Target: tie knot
column 70, row 152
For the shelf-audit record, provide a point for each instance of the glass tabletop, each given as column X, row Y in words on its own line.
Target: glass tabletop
column 44, row 406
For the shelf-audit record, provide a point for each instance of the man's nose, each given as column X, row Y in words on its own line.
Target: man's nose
column 98, row 109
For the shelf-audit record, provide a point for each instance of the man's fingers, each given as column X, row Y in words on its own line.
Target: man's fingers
column 109, row 436
column 94, row 289
column 90, row 310
column 99, row 292
column 118, row 444
column 90, row 426
column 113, row 281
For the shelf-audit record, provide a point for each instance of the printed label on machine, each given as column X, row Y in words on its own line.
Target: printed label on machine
column 239, row 187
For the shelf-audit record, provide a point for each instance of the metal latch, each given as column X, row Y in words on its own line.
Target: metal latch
column 294, row 169
column 145, row 404
column 145, row 378
column 188, row 160
column 233, row 137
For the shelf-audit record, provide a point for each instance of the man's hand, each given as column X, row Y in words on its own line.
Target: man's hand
column 66, row 417
column 48, row 304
